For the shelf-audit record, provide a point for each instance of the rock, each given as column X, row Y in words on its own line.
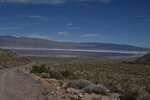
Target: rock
column 73, row 91
column 73, row 97
column 55, row 84
column 80, row 96
column 57, row 88
column 45, row 93
column 52, row 92
column 63, row 97
column 45, row 75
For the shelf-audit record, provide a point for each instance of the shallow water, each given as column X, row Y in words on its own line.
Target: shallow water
column 75, row 53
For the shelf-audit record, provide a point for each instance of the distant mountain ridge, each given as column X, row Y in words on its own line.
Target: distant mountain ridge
column 26, row 42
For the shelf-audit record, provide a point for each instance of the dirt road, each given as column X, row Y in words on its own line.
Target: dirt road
column 15, row 85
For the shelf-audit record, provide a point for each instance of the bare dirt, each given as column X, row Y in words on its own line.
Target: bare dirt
column 15, row 85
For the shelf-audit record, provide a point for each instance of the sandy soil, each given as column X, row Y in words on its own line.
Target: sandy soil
column 15, row 85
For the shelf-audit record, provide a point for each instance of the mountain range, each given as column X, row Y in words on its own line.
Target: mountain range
column 37, row 46
column 26, row 42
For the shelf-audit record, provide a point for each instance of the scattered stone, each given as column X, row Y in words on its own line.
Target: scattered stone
column 55, row 84
column 45, row 75
column 73, row 97
column 73, row 91
column 52, row 92
column 63, row 97
column 45, row 93
column 57, row 88
column 80, row 96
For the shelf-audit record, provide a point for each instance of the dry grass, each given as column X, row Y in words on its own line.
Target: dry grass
column 132, row 80
column 11, row 59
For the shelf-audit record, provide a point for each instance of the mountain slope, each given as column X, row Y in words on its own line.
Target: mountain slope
column 144, row 60
column 9, row 41
column 11, row 59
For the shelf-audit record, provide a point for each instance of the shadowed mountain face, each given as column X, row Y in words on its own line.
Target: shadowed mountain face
column 11, row 59
column 9, row 41
column 144, row 60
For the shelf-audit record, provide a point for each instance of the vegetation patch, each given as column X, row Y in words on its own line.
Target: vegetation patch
column 130, row 80
column 96, row 88
column 88, row 86
column 48, row 72
column 11, row 59
column 80, row 84
column 135, row 93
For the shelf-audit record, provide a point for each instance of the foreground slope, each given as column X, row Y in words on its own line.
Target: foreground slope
column 18, row 84
column 11, row 59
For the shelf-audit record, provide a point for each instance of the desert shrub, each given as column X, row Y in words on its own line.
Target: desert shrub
column 135, row 93
column 128, row 62
column 66, row 73
column 94, row 98
column 45, row 75
column 88, row 86
column 1, row 66
column 62, row 74
column 55, row 74
column 98, row 89
column 38, row 69
column 51, row 69
column 144, row 96
column 129, row 96
column 116, row 75
column 80, row 84
column 130, row 93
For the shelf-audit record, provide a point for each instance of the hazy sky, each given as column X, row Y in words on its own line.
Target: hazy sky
column 107, row 21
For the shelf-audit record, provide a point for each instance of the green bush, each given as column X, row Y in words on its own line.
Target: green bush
column 38, row 69
column 66, row 73
column 55, row 74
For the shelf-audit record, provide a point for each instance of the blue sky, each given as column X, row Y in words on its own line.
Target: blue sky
column 104, row 21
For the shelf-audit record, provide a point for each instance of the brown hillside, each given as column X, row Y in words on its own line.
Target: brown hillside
column 11, row 59
column 144, row 60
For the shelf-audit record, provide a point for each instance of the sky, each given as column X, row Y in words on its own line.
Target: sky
column 103, row 21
